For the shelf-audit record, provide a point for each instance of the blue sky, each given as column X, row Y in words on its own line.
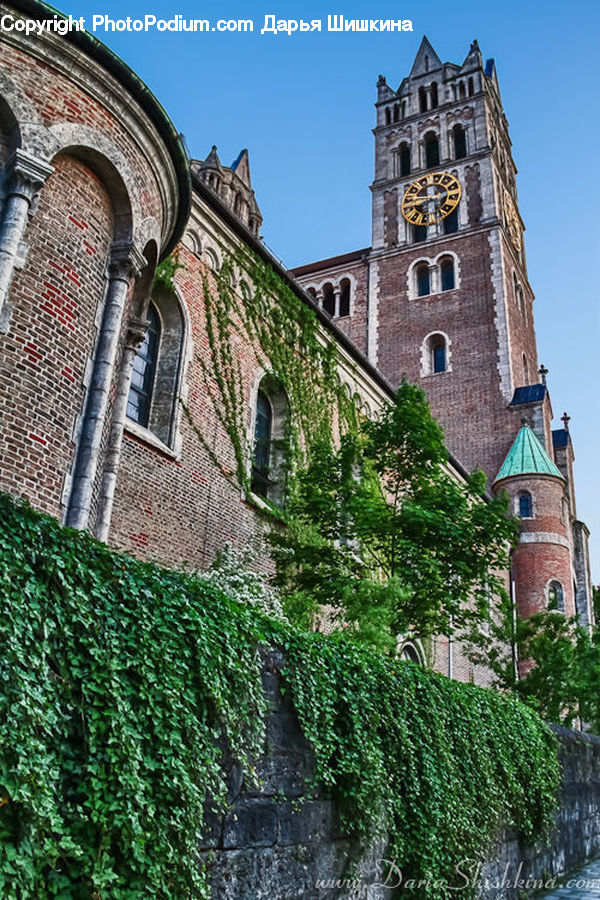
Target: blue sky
column 303, row 105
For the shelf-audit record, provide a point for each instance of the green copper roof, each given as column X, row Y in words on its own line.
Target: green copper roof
column 527, row 457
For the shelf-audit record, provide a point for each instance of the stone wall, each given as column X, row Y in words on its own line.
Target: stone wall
column 517, row 871
column 280, row 840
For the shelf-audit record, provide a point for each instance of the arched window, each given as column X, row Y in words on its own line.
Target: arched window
column 268, row 456
column 471, row 87
column 263, row 428
column 556, row 596
column 403, row 159
column 459, row 140
column 144, row 372
column 447, row 274
column 396, row 112
column 344, row 297
column 461, row 91
column 525, row 370
column 422, row 100
column 419, row 233
column 312, row 291
column 156, row 369
column 435, row 354
column 423, row 280
column 451, row 222
column 388, row 115
column 409, row 653
column 237, row 204
column 432, row 150
column 434, row 95
column 329, row 300
column 525, row 505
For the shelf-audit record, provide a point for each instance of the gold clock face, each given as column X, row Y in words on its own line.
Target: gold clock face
column 511, row 217
column 431, row 198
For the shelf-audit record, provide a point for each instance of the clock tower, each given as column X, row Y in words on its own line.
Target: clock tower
column 451, row 306
column 442, row 298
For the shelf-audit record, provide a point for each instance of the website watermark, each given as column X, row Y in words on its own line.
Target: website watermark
column 468, row 874
column 269, row 24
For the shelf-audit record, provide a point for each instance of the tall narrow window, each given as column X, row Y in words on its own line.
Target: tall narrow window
column 461, row 91
column 329, row 300
column 434, row 95
column 396, row 112
column 144, row 372
column 525, row 505
column 262, row 445
column 432, row 150
column 525, row 370
column 404, row 159
column 404, row 109
column 344, row 297
column 419, row 233
column 438, row 349
column 451, row 222
column 471, row 87
column 556, row 596
column 422, row 99
column 269, row 452
column 447, row 274
column 459, row 140
column 423, row 280
column 388, row 115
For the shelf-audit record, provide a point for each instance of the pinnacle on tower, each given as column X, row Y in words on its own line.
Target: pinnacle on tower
column 426, row 59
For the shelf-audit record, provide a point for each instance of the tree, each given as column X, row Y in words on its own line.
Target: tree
column 382, row 540
column 559, row 662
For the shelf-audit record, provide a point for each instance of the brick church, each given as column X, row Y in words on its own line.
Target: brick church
column 97, row 364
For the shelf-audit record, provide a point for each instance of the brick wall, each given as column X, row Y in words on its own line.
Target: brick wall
column 54, row 301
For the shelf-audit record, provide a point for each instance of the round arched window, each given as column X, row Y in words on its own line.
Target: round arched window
column 556, row 597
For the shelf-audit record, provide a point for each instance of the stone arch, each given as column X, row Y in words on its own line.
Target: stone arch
column 112, row 168
column 110, row 177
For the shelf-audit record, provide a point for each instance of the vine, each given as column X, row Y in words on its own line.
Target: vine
column 290, row 346
column 107, row 754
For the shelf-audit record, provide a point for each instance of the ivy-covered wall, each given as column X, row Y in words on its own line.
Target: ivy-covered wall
column 126, row 690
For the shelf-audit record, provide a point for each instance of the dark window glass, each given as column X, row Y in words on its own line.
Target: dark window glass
column 262, row 445
column 388, row 115
column 329, row 300
column 345, row 298
column 419, row 233
column 405, row 159
column 439, row 356
column 460, row 142
column 471, row 87
column 423, row 281
column 434, row 95
column 451, row 222
column 556, row 597
column 422, row 99
column 525, row 505
column 143, row 372
column 396, row 112
column 447, row 272
column 432, row 151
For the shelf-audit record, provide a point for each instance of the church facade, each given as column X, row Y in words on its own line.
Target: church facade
column 105, row 413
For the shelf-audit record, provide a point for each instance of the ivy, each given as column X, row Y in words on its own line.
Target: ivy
column 164, row 276
column 122, row 683
column 290, row 345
